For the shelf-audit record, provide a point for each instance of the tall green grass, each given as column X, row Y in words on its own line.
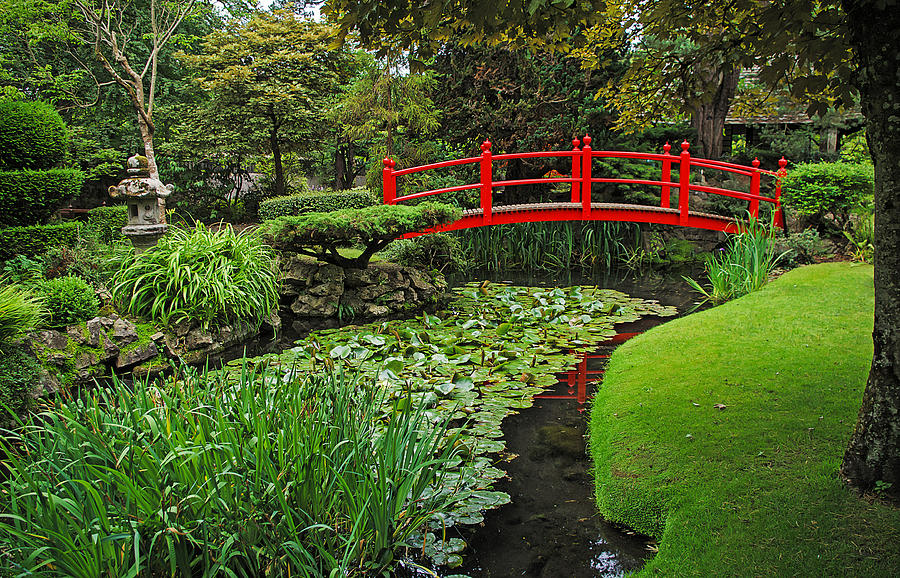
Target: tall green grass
column 742, row 266
column 548, row 246
column 261, row 475
column 20, row 310
column 197, row 274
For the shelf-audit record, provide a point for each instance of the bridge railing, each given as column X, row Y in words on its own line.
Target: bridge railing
column 582, row 180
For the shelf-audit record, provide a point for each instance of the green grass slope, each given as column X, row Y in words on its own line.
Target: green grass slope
column 751, row 489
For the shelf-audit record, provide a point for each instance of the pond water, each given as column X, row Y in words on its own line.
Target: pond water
column 550, row 526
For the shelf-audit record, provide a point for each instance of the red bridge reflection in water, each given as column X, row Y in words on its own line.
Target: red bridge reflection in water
column 577, row 380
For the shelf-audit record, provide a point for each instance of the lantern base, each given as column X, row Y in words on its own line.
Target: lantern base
column 144, row 236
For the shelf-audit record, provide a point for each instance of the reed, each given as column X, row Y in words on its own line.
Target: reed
column 265, row 474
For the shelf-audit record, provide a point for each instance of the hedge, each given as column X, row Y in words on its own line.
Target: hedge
column 828, row 191
column 107, row 222
column 318, row 202
column 32, row 136
column 31, row 197
column 31, row 241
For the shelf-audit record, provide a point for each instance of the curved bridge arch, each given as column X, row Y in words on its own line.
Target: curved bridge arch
column 581, row 207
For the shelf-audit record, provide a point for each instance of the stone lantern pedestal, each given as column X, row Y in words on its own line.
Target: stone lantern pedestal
column 146, row 200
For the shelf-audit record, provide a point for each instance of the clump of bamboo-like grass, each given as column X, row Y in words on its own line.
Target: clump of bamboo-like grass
column 206, row 475
column 201, row 275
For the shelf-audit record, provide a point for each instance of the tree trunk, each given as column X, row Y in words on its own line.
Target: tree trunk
column 343, row 165
column 276, row 156
column 708, row 117
column 147, row 138
column 873, row 454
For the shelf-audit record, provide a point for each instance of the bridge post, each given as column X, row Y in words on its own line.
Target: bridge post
column 389, row 182
column 666, row 176
column 576, row 170
column 586, row 177
column 487, row 183
column 782, row 172
column 684, row 183
column 754, row 189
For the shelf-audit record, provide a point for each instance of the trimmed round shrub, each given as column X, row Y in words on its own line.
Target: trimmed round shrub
column 31, row 197
column 107, row 222
column 32, row 136
column 200, row 275
column 68, row 300
column 19, row 376
column 826, row 193
column 437, row 251
column 315, row 202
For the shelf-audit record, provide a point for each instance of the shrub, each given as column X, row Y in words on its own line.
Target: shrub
column 437, row 251
column 260, row 475
column 320, row 234
column 31, row 197
column 21, row 269
column 68, row 300
column 32, row 136
column 19, row 376
column 827, row 192
column 20, row 310
column 802, row 247
column 107, row 222
column 37, row 239
column 201, row 275
column 315, row 202
column 78, row 261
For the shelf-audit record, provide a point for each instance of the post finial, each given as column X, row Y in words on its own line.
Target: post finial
column 667, row 147
column 755, row 163
column 782, row 162
column 485, row 146
column 685, row 146
column 576, row 142
column 587, row 140
column 387, row 162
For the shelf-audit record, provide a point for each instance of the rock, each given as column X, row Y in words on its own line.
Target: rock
column 136, row 355
column 110, row 349
column 107, row 322
column 197, row 339
column 76, row 334
column 48, row 384
column 124, row 332
column 374, row 310
column 312, row 306
column 182, row 328
column 299, row 270
column 158, row 336
column 85, row 359
column 94, row 329
column 50, row 339
column 330, row 274
column 373, row 292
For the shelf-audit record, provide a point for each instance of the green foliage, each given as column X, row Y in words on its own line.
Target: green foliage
column 67, row 300
column 548, row 246
column 31, row 197
column 320, row 234
column 715, row 495
column 435, row 252
column 258, row 474
column 200, row 275
column 21, row 269
column 20, row 310
column 81, row 260
column 802, row 247
column 315, row 202
column 37, row 239
column 19, row 376
column 855, row 149
column 742, row 266
column 107, row 222
column 32, row 136
column 862, row 236
column 827, row 192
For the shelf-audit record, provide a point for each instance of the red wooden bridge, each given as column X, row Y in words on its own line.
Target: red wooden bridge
column 582, row 179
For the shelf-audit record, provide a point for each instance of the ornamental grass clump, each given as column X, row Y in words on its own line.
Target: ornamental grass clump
column 209, row 474
column 742, row 266
column 20, row 310
column 200, row 275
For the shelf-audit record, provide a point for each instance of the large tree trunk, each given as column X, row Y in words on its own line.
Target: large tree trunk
column 874, row 451
column 147, row 138
column 708, row 117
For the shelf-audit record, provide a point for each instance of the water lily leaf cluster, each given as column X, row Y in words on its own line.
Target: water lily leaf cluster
column 483, row 359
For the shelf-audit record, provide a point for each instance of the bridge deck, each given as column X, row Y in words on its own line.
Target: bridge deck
column 594, row 207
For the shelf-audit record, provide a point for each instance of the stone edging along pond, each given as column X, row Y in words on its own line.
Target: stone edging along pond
column 313, row 295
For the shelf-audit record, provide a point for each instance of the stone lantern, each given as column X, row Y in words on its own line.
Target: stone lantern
column 145, row 197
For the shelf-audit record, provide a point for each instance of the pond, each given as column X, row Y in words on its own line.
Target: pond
column 512, row 363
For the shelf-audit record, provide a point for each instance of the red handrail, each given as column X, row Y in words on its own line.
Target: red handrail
column 581, row 181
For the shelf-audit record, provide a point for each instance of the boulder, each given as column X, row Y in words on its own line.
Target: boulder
column 136, row 355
